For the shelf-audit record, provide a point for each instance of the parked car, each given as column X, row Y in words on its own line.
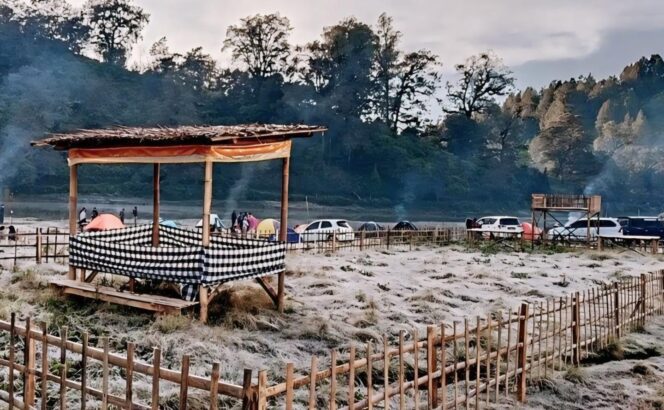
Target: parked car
column 500, row 226
column 578, row 230
column 323, row 230
column 404, row 226
column 642, row 226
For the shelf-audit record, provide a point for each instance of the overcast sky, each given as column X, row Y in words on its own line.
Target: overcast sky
column 539, row 40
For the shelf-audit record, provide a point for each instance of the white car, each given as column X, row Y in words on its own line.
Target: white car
column 501, row 226
column 323, row 230
column 578, row 230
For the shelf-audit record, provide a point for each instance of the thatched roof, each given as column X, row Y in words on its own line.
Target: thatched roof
column 182, row 135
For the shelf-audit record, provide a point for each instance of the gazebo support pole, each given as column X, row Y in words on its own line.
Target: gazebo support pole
column 155, row 205
column 73, row 216
column 283, row 228
column 207, row 205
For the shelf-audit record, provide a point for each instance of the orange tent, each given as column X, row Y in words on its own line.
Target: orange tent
column 104, row 222
column 528, row 231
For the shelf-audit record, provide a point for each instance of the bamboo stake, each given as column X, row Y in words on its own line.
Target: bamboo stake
column 539, row 341
column 29, row 373
column 532, row 348
column 351, row 377
column 431, row 367
column 184, row 378
column 312, row 383
column 214, row 385
column 478, row 351
column 456, row 364
column 289, row 385
column 369, row 377
column 386, row 372
column 546, row 341
column 12, row 341
column 63, row 367
column 566, row 328
column 333, row 380
column 466, row 369
column 416, row 370
column 84, row 363
column 156, row 365
column 44, row 367
column 130, row 375
column 500, row 335
column 488, row 358
column 507, row 356
column 402, row 393
column 553, row 337
column 443, row 365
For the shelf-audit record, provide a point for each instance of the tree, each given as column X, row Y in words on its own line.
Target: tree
column 483, row 77
column 341, row 65
column 115, row 26
column 260, row 42
column 403, row 83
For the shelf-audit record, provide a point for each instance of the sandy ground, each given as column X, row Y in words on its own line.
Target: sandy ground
column 333, row 299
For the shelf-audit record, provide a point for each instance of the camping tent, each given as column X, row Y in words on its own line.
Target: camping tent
column 267, row 227
column 104, row 222
column 215, row 223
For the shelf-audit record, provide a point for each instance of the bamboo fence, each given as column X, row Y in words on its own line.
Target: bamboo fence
column 460, row 365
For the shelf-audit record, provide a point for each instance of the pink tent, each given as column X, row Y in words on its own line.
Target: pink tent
column 253, row 222
column 104, row 222
column 528, row 231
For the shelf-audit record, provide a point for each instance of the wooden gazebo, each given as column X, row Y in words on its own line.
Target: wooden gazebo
column 175, row 145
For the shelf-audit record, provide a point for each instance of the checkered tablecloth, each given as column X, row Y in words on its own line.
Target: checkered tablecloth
column 180, row 258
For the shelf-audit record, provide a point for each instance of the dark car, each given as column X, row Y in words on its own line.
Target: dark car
column 404, row 226
column 642, row 226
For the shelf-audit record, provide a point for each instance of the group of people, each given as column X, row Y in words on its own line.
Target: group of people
column 11, row 234
column 243, row 222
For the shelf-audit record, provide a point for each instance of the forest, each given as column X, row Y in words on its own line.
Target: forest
column 65, row 68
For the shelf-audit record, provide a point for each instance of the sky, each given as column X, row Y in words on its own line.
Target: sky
column 539, row 40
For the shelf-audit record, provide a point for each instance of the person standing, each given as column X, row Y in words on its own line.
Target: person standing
column 95, row 213
column 82, row 217
column 122, row 215
column 233, row 219
column 2, row 213
column 135, row 213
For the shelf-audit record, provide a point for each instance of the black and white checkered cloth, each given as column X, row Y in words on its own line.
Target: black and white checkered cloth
column 180, row 258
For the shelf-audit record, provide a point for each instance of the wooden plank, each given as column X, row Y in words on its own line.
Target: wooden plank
column 12, row 358
column 262, row 390
column 156, row 365
column 456, row 363
column 466, row 368
column 283, row 229
column 29, row 373
column 63, row 367
column 523, row 345
column 443, row 366
column 184, row 378
column 369, row 377
column 386, row 373
column 478, row 355
column 268, row 289
column 416, row 369
column 333, row 380
column 247, row 398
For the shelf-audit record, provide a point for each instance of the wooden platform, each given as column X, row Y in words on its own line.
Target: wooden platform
column 159, row 304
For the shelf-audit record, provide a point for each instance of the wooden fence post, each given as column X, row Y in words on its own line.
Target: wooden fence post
column 248, row 401
column 616, row 310
column 643, row 299
column 522, row 353
column 29, row 374
column 362, row 240
column 388, row 238
column 576, row 330
column 432, row 386
column 262, row 390
column 38, row 246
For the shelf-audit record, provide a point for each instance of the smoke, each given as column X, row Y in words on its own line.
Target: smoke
column 11, row 147
column 240, row 185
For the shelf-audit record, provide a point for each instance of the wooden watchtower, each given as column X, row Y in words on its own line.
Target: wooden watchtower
column 550, row 205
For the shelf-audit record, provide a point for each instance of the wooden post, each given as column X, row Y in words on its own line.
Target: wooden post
column 616, row 310
column 432, row 387
column 156, row 368
column 290, row 374
column 38, row 246
column 262, row 390
column 44, row 367
column 207, row 205
column 362, row 240
column 129, row 393
column 576, row 330
column 73, row 214
column 155, row 205
column 247, row 395
column 184, row 382
column 104, row 374
column 643, row 299
column 29, row 374
column 522, row 354
column 214, row 386
column 283, row 229
column 84, row 365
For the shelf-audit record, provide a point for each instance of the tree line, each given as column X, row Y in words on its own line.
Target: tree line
column 63, row 68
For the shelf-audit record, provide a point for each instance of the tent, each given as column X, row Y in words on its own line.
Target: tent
column 104, row 222
column 291, row 237
column 370, row 226
column 528, row 232
column 404, row 226
column 170, row 223
column 215, row 223
column 267, row 227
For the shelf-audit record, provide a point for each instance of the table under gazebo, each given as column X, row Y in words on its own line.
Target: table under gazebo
column 199, row 262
